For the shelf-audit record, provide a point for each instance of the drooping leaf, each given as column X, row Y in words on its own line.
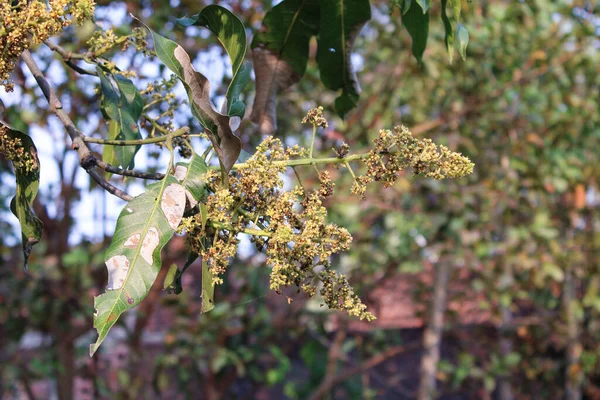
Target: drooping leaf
column 462, row 40
column 341, row 22
column 208, row 289
column 417, row 25
column 280, row 53
column 449, row 32
column 123, row 106
column 108, row 152
column 198, row 89
column 170, row 277
column 133, row 259
column 456, row 6
column 20, row 149
column 231, row 33
column 424, row 5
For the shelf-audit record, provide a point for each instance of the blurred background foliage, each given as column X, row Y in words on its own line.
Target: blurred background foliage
column 512, row 251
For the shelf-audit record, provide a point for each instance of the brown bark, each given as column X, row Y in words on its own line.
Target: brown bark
column 432, row 336
column 66, row 372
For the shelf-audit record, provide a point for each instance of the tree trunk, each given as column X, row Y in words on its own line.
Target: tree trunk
column 505, row 343
column 66, row 370
column 432, row 337
column 573, row 350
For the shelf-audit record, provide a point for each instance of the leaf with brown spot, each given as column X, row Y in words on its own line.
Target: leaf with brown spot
column 147, row 225
column 173, row 56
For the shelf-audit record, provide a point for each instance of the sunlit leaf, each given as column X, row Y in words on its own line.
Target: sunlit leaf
column 20, row 149
column 108, row 152
column 449, row 32
column 280, row 54
column 133, row 259
column 424, row 5
column 462, row 40
column 341, row 22
column 231, row 33
column 456, row 6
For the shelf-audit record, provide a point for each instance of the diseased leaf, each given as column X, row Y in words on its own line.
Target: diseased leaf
column 280, row 53
column 231, row 33
column 424, row 5
column 124, row 107
column 462, row 40
column 20, row 149
column 449, row 32
column 133, row 259
column 227, row 145
column 341, row 22
column 417, row 25
column 108, row 152
column 190, row 175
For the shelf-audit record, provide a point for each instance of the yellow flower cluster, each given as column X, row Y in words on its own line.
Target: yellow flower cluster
column 315, row 117
column 289, row 226
column 12, row 148
column 397, row 150
column 24, row 23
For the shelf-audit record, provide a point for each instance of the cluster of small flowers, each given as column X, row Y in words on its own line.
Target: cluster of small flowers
column 24, row 23
column 12, row 148
column 397, row 150
column 102, row 42
column 289, row 226
column 315, row 117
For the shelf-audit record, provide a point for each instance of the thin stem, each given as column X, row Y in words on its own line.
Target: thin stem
column 312, row 141
column 86, row 159
column 298, row 177
column 128, row 172
column 157, row 139
column 308, row 161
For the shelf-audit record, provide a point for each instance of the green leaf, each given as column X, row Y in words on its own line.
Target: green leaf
column 190, row 175
column 462, row 40
column 406, row 6
column 417, row 25
column 125, row 108
column 208, row 288
column 108, row 152
column 341, row 22
column 27, row 173
column 174, row 57
column 456, row 6
column 449, row 36
column 280, row 54
column 133, row 259
column 170, row 277
column 424, row 5
column 231, row 33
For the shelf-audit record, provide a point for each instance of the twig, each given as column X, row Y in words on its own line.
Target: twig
column 128, row 172
column 69, row 55
column 86, row 159
column 156, row 139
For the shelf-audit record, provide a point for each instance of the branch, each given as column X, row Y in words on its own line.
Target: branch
column 86, row 159
column 157, row 139
column 128, row 172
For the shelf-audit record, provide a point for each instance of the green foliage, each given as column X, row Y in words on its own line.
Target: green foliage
column 340, row 24
column 231, row 33
column 416, row 23
column 123, row 108
column 20, row 149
